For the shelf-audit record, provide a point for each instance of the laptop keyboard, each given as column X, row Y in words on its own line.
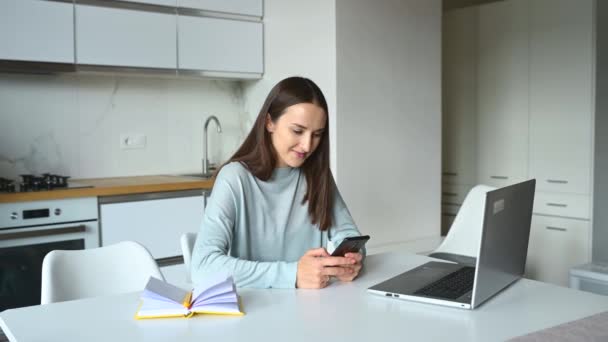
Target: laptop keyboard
column 451, row 286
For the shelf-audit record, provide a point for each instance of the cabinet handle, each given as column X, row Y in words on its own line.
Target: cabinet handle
column 557, row 228
column 557, row 181
column 449, row 194
column 499, row 177
column 560, row 205
column 43, row 232
column 450, row 173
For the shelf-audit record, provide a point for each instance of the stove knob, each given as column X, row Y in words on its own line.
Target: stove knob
column 57, row 212
column 14, row 216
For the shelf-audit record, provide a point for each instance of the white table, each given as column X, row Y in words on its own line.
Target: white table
column 341, row 312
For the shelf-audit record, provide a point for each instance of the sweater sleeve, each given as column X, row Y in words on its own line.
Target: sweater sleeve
column 210, row 254
column 343, row 224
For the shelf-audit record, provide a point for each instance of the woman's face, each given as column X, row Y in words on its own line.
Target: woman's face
column 297, row 133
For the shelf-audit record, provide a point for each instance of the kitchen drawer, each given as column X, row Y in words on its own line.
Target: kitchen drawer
column 556, row 245
column 558, row 204
column 454, row 193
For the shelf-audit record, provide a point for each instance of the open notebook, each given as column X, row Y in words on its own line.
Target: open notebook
column 214, row 296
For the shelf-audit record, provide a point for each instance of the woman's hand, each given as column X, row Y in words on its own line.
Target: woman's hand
column 315, row 269
column 355, row 267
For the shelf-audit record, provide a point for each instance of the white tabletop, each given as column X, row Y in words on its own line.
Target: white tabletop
column 340, row 312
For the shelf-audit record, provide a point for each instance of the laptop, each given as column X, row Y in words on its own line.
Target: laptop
column 501, row 259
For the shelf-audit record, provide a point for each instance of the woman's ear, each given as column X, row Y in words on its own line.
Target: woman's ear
column 269, row 124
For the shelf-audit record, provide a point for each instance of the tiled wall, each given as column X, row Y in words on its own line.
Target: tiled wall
column 72, row 124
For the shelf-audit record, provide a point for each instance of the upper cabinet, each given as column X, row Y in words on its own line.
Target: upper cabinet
column 224, row 45
column 243, row 7
column 125, row 37
column 34, row 30
column 503, row 93
column 460, row 96
column 216, row 38
column 561, row 67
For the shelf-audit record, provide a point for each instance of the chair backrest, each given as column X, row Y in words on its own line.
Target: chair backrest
column 122, row 267
column 464, row 235
column 187, row 242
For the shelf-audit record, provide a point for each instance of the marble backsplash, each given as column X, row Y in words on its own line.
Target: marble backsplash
column 72, row 124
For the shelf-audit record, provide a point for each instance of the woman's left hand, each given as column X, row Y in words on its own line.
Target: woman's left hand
column 356, row 267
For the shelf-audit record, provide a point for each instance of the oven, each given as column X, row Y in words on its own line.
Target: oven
column 28, row 231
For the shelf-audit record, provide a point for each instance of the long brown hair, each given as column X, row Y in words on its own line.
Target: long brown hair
column 258, row 155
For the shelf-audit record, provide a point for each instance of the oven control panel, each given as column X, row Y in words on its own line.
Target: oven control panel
column 20, row 214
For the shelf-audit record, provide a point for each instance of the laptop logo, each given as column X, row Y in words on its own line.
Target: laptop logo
column 498, row 206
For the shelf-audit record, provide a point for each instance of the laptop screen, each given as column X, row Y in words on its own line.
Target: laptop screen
column 504, row 241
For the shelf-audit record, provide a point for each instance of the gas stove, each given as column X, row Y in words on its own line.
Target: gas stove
column 44, row 182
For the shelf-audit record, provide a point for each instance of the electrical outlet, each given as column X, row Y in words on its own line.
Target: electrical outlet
column 132, row 141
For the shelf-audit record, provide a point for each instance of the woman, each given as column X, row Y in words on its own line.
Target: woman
column 274, row 204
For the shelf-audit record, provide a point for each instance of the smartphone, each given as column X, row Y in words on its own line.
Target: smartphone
column 352, row 244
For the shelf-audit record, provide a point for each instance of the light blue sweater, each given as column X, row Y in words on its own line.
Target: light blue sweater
column 257, row 231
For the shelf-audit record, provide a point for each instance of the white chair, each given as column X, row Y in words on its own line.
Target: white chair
column 463, row 239
column 187, row 242
column 122, row 267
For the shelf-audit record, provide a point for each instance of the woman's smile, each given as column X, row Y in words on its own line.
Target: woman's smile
column 301, row 155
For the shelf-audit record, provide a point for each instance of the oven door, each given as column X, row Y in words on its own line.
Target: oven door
column 22, row 251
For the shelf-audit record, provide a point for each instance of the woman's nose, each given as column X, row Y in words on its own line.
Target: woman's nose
column 306, row 143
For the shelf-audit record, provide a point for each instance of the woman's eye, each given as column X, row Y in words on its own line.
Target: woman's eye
column 318, row 135
column 297, row 132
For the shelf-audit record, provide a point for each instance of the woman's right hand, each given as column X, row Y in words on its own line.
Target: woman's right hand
column 315, row 269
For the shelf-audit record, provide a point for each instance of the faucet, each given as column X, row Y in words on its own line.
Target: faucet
column 206, row 143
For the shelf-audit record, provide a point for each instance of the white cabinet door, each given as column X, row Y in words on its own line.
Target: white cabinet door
column 33, row 30
column 561, row 57
column 245, row 7
column 124, row 37
column 156, row 224
column 556, row 245
column 503, row 92
column 220, row 45
column 561, row 204
column 460, row 96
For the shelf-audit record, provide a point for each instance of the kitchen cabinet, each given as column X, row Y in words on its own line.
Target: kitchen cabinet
column 561, row 204
column 224, row 45
column 242, row 7
column 459, row 84
column 503, row 93
column 155, row 220
column 125, row 37
column 556, row 245
column 561, row 80
column 34, row 30
column 535, row 107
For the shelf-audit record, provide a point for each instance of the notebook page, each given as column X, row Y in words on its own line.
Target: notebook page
column 211, row 287
column 166, row 290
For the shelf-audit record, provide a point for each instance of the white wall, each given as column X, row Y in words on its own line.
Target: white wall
column 299, row 40
column 389, row 118
column 72, row 124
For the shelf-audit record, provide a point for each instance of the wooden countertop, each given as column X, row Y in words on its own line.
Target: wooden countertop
column 114, row 186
